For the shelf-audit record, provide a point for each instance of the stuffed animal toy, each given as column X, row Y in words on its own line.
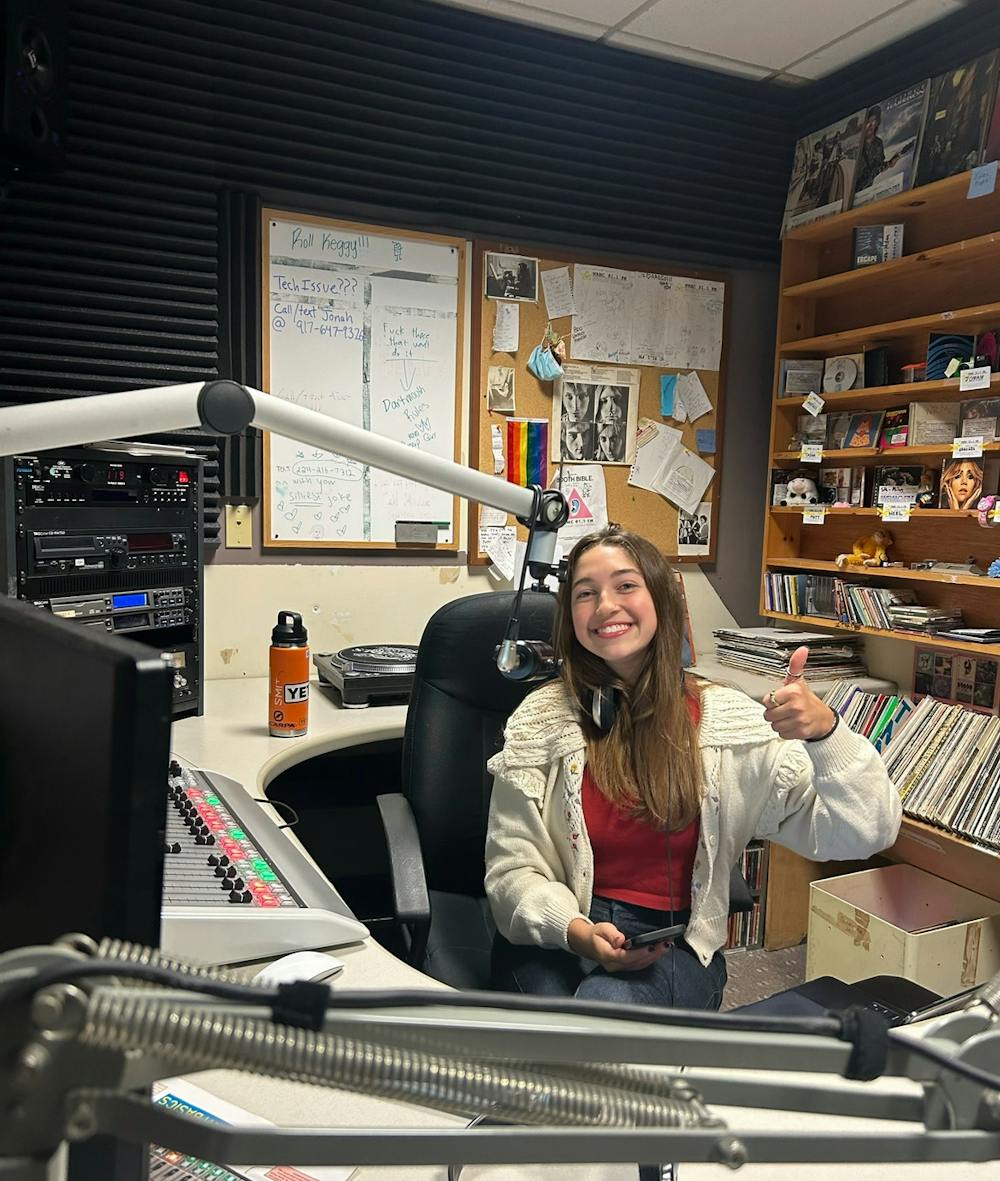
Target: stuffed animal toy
column 868, row 551
column 801, row 490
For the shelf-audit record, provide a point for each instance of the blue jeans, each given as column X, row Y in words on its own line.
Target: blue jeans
column 678, row 979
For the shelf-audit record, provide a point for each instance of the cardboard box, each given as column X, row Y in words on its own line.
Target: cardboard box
column 900, row 921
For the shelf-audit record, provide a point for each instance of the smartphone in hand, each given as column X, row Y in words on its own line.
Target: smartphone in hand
column 648, row 938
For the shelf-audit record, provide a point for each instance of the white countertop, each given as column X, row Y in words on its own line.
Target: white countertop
column 232, row 738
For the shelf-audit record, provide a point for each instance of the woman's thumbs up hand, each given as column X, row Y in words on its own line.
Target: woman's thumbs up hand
column 793, row 710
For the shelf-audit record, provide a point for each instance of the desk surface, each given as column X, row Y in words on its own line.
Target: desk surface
column 232, row 738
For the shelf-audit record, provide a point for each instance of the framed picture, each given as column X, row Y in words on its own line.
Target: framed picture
column 511, row 276
column 863, row 429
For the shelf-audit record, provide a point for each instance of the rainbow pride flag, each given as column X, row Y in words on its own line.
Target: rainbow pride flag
column 527, row 448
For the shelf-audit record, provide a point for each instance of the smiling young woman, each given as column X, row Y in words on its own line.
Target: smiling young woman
column 608, row 822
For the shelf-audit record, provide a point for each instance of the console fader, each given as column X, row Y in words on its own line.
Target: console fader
column 234, row 886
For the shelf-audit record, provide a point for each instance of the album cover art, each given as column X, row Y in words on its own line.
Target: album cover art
column 823, row 172
column 980, row 416
column 863, row 429
column 945, row 347
column 959, row 107
column 890, row 140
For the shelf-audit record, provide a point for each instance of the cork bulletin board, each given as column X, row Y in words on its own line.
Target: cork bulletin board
column 646, row 512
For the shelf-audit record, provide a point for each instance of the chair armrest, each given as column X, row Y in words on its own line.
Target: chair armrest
column 410, row 899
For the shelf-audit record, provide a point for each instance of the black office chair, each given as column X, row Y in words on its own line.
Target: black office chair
column 436, row 827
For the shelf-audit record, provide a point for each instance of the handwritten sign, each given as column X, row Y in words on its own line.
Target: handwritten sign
column 967, row 447
column 811, row 453
column 362, row 327
column 813, row 516
column 895, row 510
column 974, row 379
column 813, row 404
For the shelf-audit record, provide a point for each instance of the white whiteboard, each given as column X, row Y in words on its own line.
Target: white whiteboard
column 364, row 324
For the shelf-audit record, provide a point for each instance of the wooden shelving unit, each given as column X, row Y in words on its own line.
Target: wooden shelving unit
column 948, row 280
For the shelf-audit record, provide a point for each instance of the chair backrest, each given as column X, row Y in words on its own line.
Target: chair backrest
column 458, row 707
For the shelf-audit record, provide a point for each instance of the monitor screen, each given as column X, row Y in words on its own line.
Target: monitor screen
column 84, row 746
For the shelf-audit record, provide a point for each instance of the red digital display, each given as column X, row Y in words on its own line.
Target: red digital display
column 144, row 542
column 183, row 478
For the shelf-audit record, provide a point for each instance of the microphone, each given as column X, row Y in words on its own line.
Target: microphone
column 526, row 660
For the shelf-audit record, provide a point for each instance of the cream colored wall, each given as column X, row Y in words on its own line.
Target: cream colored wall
column 342, row 605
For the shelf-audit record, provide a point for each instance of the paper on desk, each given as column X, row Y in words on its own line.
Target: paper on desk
column 497, row 542
column 558, row 293
column 655, row 442
column 185, row 1098
column 683, row 478
column 692, row 393
column 506, row 328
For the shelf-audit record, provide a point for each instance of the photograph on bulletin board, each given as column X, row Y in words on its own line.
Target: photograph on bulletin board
column 594, row 412
column 617, row 337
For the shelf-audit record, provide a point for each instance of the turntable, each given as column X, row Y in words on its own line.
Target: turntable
column 369, row 673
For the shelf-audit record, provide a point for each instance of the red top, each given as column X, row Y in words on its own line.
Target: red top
column 631, row 856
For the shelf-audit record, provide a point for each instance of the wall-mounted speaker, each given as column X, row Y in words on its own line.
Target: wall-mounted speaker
column 33, row 91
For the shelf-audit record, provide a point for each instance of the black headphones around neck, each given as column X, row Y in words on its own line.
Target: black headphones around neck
column 603, row 705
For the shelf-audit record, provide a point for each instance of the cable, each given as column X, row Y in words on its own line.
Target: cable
column 279, row 804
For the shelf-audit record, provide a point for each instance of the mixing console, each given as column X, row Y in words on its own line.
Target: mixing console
column 234, row 887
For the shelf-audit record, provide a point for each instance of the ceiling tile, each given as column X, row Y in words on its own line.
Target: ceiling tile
column 600, row 12
column 878, row 34
column 709, row 61
column 509, row 10
column 771, row 32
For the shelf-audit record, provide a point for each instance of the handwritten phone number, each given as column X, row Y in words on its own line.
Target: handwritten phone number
column 311, row 328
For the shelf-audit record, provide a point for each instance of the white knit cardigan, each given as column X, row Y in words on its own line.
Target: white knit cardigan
column 827, row 800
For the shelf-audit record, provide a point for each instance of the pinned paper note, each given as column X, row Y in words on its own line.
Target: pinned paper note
column 813, row 516
column 684, row 478
column 668, row 386
column 496, row 443
column 500, row 389
column 558, row 291
column 655, row 442
column 506, row 328
column 692, row 393
column 587, row 500
column 491, row 517
column 498, row 543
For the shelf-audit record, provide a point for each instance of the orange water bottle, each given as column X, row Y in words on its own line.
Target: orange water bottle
column 288, row 705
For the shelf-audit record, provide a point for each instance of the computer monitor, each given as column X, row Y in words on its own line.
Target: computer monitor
column 84, row 748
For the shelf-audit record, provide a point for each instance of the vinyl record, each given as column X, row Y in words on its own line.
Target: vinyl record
column 839, row 374
column 378, row 658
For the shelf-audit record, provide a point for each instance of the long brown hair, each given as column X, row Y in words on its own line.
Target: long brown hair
column 649, row 759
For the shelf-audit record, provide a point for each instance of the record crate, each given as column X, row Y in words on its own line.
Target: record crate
column 898, row 920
